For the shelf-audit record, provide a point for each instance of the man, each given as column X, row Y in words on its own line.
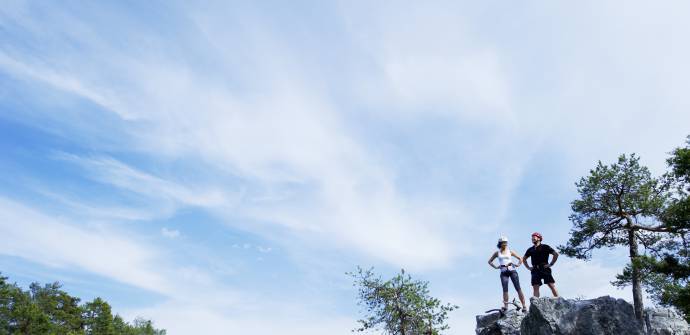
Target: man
column 541, row 268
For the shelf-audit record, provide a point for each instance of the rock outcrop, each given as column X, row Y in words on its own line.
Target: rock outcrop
column 604, row 315
column 665, row 321
column 498, row 324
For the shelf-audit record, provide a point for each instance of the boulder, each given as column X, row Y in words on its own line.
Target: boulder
column 498, row 324
column 665, row 321
column 603, row 315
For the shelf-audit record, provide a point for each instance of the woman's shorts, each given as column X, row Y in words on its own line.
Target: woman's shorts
column 513, row 276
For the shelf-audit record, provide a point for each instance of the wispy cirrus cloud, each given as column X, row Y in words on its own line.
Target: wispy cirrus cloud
column 123, row 176
column 39, row 238
column 61, row 81
column 30, row 234
column 296, row 137
column 170, row 233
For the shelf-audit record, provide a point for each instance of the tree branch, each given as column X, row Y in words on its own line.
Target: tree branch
column 657, row 229
column 608, row 231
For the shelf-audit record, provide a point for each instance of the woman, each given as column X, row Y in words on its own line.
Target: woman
column 508, row 270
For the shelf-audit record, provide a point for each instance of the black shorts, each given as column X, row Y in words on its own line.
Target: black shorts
column 539, row 274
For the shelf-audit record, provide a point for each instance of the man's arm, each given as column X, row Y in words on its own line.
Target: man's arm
column 554, row 253
column 524, row 259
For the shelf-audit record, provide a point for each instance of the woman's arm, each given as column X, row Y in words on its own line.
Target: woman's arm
column 518, row 258
column 491, row 260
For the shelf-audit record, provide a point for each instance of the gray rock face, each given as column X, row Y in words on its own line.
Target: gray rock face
column 604, row 315
column 664, row 321
column 494, row 324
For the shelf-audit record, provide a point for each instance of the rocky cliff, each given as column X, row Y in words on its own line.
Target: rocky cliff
column 604, row 315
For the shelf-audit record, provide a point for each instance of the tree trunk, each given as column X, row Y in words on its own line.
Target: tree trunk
column 403, row 317
column 637, row 290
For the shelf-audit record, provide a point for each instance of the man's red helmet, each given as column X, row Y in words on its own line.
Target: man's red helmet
column 537, row 235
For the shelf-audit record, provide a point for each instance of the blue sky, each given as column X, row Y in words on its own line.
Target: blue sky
column 221, row 166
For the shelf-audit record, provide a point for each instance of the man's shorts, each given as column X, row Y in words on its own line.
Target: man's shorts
column 539, row 274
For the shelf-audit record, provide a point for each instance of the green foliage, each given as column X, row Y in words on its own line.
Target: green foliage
column 665, row 279
column 98, row 319
column 613, row 200
column 399, row 306
column 667, row 271
column 48, row 310
column 62, row 310
column 17, row 313
column 680, row 163
column 623, row 199
column 619, row 205
column 145, row 327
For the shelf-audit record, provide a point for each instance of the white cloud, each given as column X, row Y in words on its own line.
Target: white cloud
column 108, row 170
column 588, row 280
column 174, row 233
column 60, row 81
column 31, row 235
column 183, row 318
column 96, row 211
column 435, row 66
column 283, row 127
column 296, row 136
column 264, row 250
column 39, row 238
column 287, row 130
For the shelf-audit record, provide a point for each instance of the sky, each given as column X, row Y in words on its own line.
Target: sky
column 218, row 167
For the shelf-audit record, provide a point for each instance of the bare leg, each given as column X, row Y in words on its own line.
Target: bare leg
column 516, row 283
column 535, row 292
column 552, row 286
column 522, row 299
column 505, row 300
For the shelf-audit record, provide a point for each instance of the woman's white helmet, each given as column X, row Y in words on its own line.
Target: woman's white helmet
column 502, row 239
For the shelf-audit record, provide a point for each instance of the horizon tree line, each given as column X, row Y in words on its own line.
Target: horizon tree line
column 49, row 310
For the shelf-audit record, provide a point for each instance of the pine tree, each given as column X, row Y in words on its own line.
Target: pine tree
column 619, row 205
column 399, row 306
